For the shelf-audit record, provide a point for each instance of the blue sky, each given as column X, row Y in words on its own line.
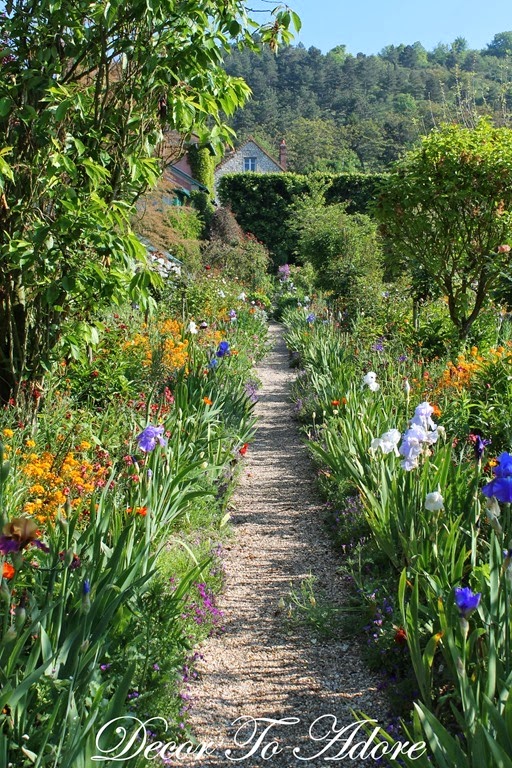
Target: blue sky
column 369, row 25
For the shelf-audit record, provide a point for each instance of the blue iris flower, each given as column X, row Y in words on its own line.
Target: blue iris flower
column 149, row 437
column 223, row 349
column 466, row 600
column 501, row 486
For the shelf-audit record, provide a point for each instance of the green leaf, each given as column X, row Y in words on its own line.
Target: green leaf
column 5, row 106
column 297, row 23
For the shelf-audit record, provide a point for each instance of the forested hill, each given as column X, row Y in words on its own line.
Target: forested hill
column 342, row 112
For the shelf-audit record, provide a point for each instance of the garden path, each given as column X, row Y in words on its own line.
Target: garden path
column 259, row 667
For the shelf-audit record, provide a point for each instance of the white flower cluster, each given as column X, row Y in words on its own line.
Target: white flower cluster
column 371, row 381
column 422, row 433
column 387, row 442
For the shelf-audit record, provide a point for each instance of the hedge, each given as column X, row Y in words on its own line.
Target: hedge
column 262, row 202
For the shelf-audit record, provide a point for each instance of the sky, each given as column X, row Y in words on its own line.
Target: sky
column 367, row 26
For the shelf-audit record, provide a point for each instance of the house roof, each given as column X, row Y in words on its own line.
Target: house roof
column 186, row 177
column 248, row 141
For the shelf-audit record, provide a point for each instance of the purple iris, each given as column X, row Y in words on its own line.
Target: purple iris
column 149, row 437
column 283, row 272
column 480, row 445
column 232, row 314
column 86, row 587
column 213, row 363
column 40, row 545
column 466, row 601
column 223, row 349
column 501, row 486
column 311, row 318
column 8, row 545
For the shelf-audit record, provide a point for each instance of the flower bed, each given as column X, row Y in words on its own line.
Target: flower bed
column 419, row 498
column 114, row 507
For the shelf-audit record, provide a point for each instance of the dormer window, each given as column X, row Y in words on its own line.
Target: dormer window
column 249, row 163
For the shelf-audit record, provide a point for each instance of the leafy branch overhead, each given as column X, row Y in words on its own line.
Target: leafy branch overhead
column 88, row 92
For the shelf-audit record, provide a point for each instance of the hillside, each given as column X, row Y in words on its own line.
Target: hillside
column 342, row 112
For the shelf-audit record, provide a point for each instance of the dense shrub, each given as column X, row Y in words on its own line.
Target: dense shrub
column 344, row 251
column 263, row 203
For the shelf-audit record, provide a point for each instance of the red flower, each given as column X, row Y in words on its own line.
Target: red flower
column 400, row 636
column 243, row 449
column 8, row 571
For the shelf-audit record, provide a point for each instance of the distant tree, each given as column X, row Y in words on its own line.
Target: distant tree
column 391, row 53
column 318, row 145
column 459, row 45
column 501, row 45
column 446, row 210
column 338, row 53
column 439, row 53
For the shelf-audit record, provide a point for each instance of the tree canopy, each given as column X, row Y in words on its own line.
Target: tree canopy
column 447, row 211
column 374, row 107
column 87, row 91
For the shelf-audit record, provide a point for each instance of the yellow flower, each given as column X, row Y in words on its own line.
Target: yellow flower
column 30, row 443
column 8, row 433
column 84, row 446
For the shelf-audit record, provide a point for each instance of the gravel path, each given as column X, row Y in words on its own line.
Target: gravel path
column 258, row 668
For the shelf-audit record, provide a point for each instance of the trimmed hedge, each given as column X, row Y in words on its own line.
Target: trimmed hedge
column 262, row 202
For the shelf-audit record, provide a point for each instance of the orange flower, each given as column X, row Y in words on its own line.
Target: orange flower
column 8, row 571
column 207, row 401
column 343, row 400
column 437, row 410
column 335, row 402
column 138, row 511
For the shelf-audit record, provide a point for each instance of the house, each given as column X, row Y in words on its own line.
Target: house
column 177, row 182
column 250, row 157
column 178, row 177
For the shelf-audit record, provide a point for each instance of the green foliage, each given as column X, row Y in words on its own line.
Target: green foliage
column 462, row 663
column 447, row 212
column 86, row 92
column 186, row 221
column 344, row 251
column 202, row 164
column 318, row 145
column 248, row 260
column 370, row 108
column 263, row 203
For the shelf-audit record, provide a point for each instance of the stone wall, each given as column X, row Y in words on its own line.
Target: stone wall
column 234, row 163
